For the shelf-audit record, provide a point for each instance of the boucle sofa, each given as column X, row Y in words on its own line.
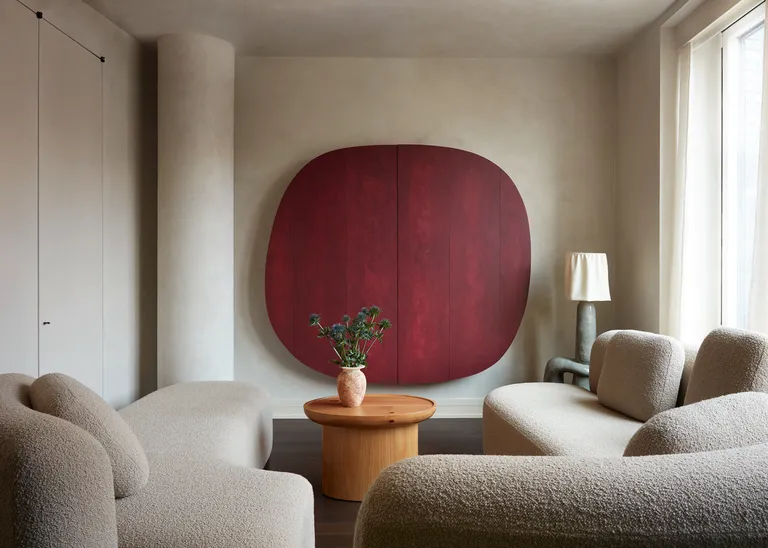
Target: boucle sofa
column 689, row 476
column 564, row 419
column 205, row 445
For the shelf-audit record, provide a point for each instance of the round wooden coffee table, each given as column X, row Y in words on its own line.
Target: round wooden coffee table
column 359, row 442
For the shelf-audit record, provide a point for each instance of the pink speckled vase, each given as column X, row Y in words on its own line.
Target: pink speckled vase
column 351, row 386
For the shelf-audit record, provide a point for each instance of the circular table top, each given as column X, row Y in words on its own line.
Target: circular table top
column 380, row 410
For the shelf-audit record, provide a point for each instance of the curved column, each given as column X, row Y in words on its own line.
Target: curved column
column 195, row 300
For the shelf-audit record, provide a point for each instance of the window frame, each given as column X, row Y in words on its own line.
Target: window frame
column 732, row 157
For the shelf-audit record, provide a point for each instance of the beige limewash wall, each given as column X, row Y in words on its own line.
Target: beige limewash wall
column 130, row 197
column 549, row 123
column 637, row 187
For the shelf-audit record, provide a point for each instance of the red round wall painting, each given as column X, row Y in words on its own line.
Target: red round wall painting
column 437, row 237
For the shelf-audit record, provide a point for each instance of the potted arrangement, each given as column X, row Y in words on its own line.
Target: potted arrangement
column 352, row 340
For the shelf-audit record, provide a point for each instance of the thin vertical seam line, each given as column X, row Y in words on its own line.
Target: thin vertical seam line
column 292, row 242
column 294, row 232
column 501, row 294
column 451, row 184
column 103, row 321
column 346, row 237
column 232, row 243
column 39, row 330
column 397, row 261
column 722, row 185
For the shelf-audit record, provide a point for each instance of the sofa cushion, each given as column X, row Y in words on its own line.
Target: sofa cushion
column 68, row 399
column 729, row 361
column 641, row 374
column 727, row 422
column 552, row 419
column 203, row 503
column 596, row 358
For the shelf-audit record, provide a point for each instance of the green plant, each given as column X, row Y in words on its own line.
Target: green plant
column 353, row 339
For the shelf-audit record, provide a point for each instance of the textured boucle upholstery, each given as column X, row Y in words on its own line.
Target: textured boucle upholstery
column 68, row 399
column 729, row 361
column 693, row 500
column 202, row 439
column 55, row 479
column 641, row 374
column 205, row 443
column 690, row 359
column 552, row 419
column 217, row 506
column 228, row 421
column 596, row 358
column 727, row 422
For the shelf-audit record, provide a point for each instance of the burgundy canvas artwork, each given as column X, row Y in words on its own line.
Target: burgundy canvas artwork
column 437, row 237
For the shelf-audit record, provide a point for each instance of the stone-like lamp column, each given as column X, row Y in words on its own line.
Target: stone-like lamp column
column 195, row 301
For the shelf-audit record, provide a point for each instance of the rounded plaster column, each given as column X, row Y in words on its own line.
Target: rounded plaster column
column 195, row 262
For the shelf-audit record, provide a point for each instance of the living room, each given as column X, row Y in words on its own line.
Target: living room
column 292, row 273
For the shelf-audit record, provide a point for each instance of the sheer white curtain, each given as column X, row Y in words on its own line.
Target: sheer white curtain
column 758, row 291
column 718, row 269
column 694, row 280
column 672, row 322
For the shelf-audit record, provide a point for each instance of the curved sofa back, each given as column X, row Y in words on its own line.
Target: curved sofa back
column 55, row 479
column 210, row 420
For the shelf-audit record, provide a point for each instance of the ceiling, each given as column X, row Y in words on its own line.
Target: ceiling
column 394, row 28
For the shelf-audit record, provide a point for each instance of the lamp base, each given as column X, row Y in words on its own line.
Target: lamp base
column 586, row 333
column 558, row 367
column 586, row 330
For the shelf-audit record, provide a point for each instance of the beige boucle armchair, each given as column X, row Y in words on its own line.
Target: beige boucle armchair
column 205, row 445
column 688, row 476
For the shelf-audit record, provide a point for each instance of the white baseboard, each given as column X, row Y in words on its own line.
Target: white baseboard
column 447, row 408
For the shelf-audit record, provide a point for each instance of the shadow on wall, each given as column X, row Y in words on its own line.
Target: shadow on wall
column 528, row 345
column 148, row 223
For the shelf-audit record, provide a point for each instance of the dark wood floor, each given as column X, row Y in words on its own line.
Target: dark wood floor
column 297, row 449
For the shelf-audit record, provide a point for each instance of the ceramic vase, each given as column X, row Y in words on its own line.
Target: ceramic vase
column 351, row 385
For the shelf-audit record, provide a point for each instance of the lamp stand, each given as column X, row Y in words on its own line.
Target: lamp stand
column 586, row 333
column 586, row 330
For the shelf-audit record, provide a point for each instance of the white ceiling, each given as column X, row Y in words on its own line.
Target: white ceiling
column 394, row 28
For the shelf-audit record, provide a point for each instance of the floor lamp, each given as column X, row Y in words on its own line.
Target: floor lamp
column 586, row 281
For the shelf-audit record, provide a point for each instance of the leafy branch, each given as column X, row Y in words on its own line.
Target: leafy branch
column 353, row 338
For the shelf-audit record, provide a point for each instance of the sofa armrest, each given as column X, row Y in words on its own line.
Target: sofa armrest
column 716, row 498
column 557, row 367
column 56, row 484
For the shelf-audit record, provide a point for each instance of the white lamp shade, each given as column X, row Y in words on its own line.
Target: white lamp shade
column 586, row 277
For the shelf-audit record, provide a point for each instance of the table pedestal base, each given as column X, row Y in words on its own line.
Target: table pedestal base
column 353, row 457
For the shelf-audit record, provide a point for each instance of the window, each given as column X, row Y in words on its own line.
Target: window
column 719, row 260
column 742, row 102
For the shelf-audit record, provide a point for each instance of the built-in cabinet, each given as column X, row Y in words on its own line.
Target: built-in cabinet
column 51, row 201
column 18, row 189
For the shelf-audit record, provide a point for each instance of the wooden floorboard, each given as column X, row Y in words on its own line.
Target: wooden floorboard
column 297, row 448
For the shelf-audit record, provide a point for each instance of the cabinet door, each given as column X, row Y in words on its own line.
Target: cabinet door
column 18, row 189
column 70, row 203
